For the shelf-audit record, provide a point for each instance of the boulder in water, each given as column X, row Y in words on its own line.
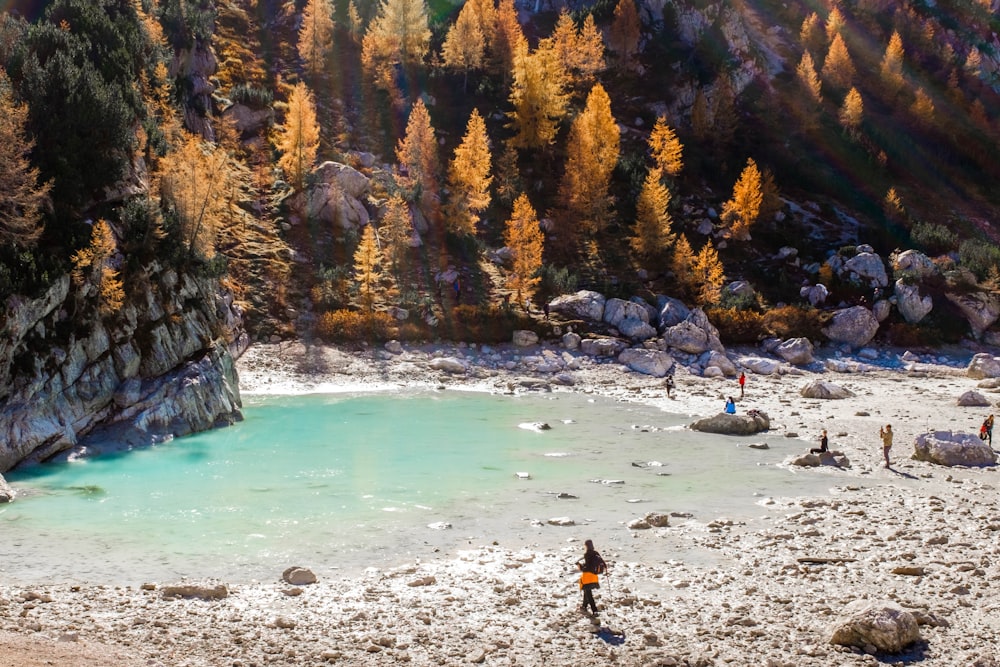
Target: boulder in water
column 831, row 458
column 6, row 493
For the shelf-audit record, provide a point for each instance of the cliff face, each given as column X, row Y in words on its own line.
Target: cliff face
column 160, row 366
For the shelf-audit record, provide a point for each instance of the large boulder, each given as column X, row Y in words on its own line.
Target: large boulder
column 636, row 329
column 6, row 493
column 823, row 389
column 814, row 294
column 853, row 326
column 797, row 351
column 915, row 264
column 728, row 424
column 981, row 309
column 617, row 311
column 983, row 366
column 694, row 335
column 347, row 178
column 330, row 204
column 602, row 347
column 524, row 338
column 248, row 122
column 866, row 268
column 671, row 311
column 648, row 362
column 761, row 365
column 972, row 399
column 448, row 365
column 883, row 625
column 584, row 305
column 714, row 359
column 910, row 304
column 950, row 448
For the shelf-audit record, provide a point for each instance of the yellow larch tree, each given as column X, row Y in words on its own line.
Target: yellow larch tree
column 892, row 206
column 523, row 236
column 682, row 265
column 724, row 118
column 625, row 32
column 838, row 68
column 891, row 69
column 396, row 231
column 355, row 26
column 94, row 264
column 197, row 184
column 852, row 112
column 811, row 33
column 974, row 62
column 652, row 234
column 417, row 153
column 770, row 200
column 592, row 151
column 923, row 108
column 374, row 285
column 298, row 138
column 398, row 35
column 507, row 33
column 581, row 52
column 743, row 209
column 465, row 44
column 22, row 197
column 590, row 52
column 807, row 77
column 665, row 148
column 316, row 36
column 834, row 24
column 469, row 177
column 485, row 15
column 709, row 274
column 538, row 95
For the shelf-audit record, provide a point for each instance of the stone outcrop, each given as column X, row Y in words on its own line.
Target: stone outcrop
column 910, row 304
column 983, row 366
column 694, row 335
column 648, row 362
column 671, row 311
column 761, row 365
column 979, row 308
column 914, row 264
column 161, row 366
column 950, row 448
column 335, row 197
column 602, row 347
column 583, row 305
column 797, row 351
column 853, row 326
column 728, row 424
column 866, row 268
column 881, row 625
column 826, row 390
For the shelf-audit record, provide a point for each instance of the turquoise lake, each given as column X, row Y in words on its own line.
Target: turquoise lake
column 347, row 481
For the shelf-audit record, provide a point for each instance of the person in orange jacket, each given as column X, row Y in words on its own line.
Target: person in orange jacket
column 590, row 566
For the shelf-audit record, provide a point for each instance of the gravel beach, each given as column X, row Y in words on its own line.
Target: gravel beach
column 919, row 536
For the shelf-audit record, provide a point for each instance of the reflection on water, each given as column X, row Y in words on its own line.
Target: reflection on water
column 349, row 481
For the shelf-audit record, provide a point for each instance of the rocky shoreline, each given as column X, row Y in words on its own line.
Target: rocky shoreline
column 919, row 536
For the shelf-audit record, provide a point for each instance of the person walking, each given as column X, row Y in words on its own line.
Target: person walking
column 823, row 445
column 590, row 566
column 669, row 384
column 743, row 381
column 886, row 435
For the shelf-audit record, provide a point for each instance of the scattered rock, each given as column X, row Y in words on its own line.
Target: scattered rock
column 826, row 390
column 648, row 362
column 882, row 625
column 525, row 338
column 298, row 576
column 853, row 326
column 832, row 458
column 448, row 365
column 198, row 591
column 983, row 366
column 972, row 399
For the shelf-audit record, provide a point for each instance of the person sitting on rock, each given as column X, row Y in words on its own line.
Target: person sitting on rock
column 731, row 406
column 823, row 445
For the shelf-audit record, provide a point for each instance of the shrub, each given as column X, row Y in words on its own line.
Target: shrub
column 737, row 325
column 795, row 321
column 352, row 325
column 252, row 96
column 484, row 324
column 978, row 256
column 934, row 239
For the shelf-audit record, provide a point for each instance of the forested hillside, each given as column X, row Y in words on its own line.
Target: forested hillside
column 356, row 169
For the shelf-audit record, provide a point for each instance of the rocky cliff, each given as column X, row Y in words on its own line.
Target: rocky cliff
column 160, row 366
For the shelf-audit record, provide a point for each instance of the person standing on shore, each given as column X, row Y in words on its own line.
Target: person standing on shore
column 669, row 384
column 590, row 566
column 743, row 381
column 823, row 445
column 986, row 432
column 886, row 435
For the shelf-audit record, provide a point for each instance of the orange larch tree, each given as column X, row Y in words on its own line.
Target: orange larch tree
column 523, row 236
column 298, row 138
column 651, row 234
column 665, row 148
column 417, row 153
column 625, row 32
column 743, row 209
column 22, row 197
column 538, row 95
column 469, row 177
column 316, row 36
column 465, row 44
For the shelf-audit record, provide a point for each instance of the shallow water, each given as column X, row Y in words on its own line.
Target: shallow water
column 348, row 481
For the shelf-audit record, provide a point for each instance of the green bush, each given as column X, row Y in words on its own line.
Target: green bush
column 251, row 96
column 934, row 239
column 978, row 256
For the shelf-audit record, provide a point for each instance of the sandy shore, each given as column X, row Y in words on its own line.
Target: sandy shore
column 505, row 604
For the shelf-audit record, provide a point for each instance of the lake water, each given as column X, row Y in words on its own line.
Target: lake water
column 346, row 481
